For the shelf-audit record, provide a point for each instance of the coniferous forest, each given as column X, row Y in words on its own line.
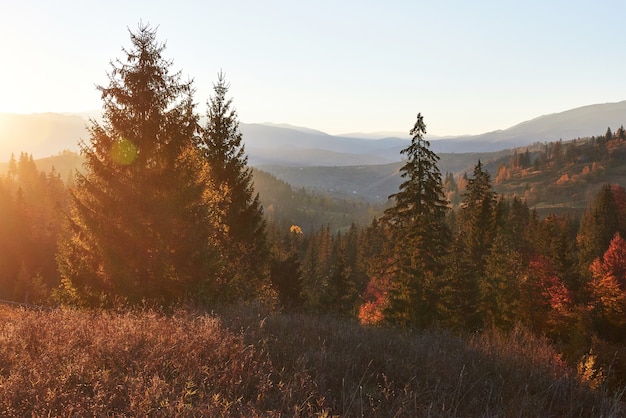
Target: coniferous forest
column 158, row 280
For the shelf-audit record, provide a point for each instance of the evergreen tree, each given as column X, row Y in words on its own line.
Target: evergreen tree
column 478, row 218
column 12, row 170
column 285, row 266
column 500, row 286
column 461, row 296
column 598, row 226
column 318, row 264
column 244, row 242
column 553, row 239
column 140, row 224
column 608, row 135
column 420, row 234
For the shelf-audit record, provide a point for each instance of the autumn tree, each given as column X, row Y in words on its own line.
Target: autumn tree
column 419, row 231
column 608, row 290
column 140, row 227
column 244, row 240
column 377, row 249
column 548, row 305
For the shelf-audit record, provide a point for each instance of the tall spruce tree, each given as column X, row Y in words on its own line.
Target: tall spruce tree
column 140, row 228
column 244, row 242
column 417, row 221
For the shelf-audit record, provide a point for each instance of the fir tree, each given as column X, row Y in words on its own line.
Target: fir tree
column 478, row 218
column 139, row 229
column 461, row 296
column 417, row 222
column 244, row 242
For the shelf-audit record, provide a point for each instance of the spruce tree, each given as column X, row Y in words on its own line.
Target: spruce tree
column 465, row 269
column 140, row 224
column 417, row 222
column 478, row 218
column 598, row 227
column 244, row 240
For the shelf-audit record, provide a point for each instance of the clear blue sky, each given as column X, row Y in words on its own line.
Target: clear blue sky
column 338, row 66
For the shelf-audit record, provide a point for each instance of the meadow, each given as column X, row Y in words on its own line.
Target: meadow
column 249, row 361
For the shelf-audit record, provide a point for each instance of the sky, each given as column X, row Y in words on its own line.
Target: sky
column 339, row 66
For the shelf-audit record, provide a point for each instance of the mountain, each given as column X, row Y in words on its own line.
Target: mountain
column 40, row 134
column 46, row 134
column 294, row 146
column 378, row 135
column 580, row 122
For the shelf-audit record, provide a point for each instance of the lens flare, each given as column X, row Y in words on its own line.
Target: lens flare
column 123, row 152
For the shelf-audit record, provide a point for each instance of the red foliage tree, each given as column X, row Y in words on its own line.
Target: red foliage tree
column 548, row 302
column 607, row 290
column 376, row 300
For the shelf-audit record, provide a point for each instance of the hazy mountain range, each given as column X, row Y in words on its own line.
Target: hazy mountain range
column 46, row 134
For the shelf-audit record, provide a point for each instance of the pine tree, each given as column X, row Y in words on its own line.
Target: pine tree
column 140, row 224
column 244, row 243
column 417, row 222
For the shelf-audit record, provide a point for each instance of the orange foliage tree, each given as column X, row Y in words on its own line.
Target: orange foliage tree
column 608, row 299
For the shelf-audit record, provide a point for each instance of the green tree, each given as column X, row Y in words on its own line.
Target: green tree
column 285, row 265
column 598, row 226
column 552, row 238
column 500, row 286
column 465, row 268
column 420, row 234
column 478, row 218
column 244, row 242
column 140, row 226
column 608, row 135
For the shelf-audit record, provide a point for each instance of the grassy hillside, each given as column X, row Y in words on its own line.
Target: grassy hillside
column 248, row 362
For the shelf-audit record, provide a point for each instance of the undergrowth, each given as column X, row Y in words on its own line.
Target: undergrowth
column 247, row 362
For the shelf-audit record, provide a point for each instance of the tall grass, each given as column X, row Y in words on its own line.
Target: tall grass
column 247, row 362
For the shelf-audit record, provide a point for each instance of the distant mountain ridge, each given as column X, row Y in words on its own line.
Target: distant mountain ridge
column 46, row 134
column 580, row 122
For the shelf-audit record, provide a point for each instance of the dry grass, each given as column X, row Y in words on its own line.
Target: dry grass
column 249, row 363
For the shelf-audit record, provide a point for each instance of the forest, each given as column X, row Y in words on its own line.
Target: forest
column 166, row 217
